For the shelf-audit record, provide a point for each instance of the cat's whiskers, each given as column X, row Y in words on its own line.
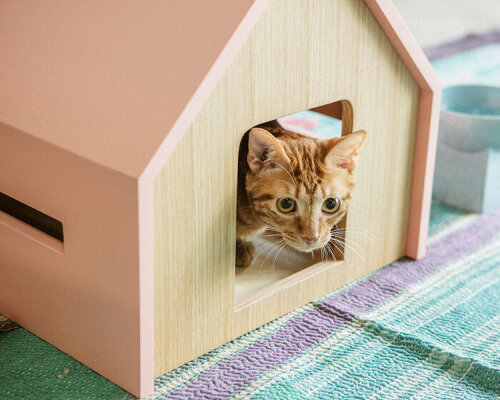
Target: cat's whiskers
column 275, row 254
column 264, row 246
column 353, row 230
column 339, row 249
column 341, row 233
column 349, row 246
column 275, row 257
column 287, row 252
column 272, row 250
column 355, row 247
column 273, row 247
column 325, row 253
column 350, row 234
column 268, row 251
column 330, row 251
column 347, row 241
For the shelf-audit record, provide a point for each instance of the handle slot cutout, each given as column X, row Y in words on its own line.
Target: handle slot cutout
column 32, row 217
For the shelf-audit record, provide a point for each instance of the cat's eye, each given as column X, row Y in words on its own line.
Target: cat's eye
column 330, row 205
column 286, row 204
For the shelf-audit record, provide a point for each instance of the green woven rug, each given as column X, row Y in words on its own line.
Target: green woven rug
column 32, row 369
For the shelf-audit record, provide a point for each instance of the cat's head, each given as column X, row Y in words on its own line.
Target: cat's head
column 300, row 187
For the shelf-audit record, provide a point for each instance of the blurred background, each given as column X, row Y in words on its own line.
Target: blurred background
column 433, row 22
column 462, row 41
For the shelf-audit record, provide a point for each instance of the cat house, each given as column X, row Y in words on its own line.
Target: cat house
column 120, row 124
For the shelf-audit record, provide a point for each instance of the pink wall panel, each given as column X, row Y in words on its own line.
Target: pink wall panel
column 82, row 296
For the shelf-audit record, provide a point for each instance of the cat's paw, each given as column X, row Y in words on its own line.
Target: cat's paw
column 244, row 253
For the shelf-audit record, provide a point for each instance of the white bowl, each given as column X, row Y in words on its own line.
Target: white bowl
column 470, row 118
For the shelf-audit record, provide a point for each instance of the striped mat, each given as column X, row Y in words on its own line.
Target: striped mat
column 413, row 330
column 428, row 329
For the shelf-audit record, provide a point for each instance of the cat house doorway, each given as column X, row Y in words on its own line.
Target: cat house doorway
column 275, row 265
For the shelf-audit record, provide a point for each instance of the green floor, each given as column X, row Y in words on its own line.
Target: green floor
column 30, row 368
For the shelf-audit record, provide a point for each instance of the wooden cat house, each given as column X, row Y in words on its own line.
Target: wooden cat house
column 119, row 131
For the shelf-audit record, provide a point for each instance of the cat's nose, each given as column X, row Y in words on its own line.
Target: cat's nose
column 309, row 240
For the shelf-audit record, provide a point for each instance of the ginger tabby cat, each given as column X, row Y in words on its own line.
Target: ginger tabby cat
column 295, row 186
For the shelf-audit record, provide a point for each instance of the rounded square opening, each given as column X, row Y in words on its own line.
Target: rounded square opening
column 273, row 263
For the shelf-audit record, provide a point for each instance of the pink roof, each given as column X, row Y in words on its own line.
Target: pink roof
column 107, row 80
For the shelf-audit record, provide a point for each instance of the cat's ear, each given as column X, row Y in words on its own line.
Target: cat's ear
column 343, row 152
column 264, row 150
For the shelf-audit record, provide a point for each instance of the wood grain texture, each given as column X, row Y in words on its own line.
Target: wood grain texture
column 301, row 54
column 428, row 119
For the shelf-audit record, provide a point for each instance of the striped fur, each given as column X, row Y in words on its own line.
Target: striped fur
column 288, row 165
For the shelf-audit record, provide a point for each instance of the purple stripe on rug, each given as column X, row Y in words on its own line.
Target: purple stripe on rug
column 307, row 330
column 396, row 277
column 233, row 374
column 463, row 44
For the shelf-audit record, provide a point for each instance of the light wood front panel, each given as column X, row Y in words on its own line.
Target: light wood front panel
column 301, row 54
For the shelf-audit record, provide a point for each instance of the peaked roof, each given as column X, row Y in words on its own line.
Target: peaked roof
column 108, row 80
column 119, row 82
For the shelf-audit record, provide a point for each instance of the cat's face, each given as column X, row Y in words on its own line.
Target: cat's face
column 300, row 188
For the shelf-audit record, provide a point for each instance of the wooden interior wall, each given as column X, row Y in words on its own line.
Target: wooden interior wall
column 302, row 54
